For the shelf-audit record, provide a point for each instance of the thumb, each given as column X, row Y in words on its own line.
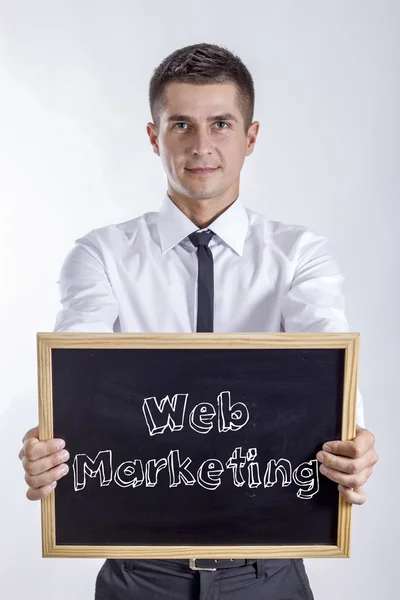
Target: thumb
column 32, row 433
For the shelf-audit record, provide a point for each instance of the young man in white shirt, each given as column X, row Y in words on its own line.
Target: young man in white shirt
column 141, row 276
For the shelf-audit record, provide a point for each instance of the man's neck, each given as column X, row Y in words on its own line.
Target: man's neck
column 202, row 212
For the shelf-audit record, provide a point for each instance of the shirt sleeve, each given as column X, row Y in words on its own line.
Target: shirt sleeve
column 87, row 299
column 314, row 301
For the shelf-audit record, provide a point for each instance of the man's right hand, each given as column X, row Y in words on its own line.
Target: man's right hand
column 43, row 463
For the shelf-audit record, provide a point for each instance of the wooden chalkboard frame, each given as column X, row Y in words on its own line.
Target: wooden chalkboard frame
column 47, row 341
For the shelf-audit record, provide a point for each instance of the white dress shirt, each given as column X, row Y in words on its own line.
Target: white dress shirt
column 141, row 276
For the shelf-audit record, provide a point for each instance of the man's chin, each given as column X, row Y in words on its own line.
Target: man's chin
column 202, row 195
column 202, row 192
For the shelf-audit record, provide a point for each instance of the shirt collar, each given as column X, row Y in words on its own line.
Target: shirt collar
column 231, row 226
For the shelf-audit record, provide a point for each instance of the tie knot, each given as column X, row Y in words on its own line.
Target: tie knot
column 201, row 238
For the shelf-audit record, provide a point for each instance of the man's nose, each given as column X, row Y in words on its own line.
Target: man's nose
column 201, row 143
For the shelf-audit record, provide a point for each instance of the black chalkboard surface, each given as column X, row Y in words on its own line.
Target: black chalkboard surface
column 196, row 444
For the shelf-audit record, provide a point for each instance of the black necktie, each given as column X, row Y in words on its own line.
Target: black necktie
column 205, row 286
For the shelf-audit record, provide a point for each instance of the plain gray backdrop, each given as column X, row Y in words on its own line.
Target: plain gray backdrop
column 74, row 155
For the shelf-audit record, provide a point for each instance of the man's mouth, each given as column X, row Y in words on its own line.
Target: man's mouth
column 203, row 171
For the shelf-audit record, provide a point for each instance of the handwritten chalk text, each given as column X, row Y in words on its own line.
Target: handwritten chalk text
column 244, row 469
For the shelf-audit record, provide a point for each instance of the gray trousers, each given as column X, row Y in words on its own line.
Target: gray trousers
column 272, row 579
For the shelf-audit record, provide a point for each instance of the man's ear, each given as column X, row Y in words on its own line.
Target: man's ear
column 252, row 136
column 153, row 135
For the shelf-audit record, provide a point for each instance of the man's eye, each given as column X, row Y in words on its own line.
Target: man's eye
column 219, row 122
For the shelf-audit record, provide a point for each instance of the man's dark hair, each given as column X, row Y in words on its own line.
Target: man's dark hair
column 202, row 64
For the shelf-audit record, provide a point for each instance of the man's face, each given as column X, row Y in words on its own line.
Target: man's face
column 202, row 127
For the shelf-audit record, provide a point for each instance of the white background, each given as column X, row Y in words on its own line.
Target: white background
column 74, row 155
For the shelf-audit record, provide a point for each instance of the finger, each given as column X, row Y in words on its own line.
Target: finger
column 355, row 448
column 32, row 433
column 42, row 465
column 38, row 481
column 39, row 493
column 341, row 448
column 345, row 464
column 351, row 481
column 355, row 496
column 34, row 449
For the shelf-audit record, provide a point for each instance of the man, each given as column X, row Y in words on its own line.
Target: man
column 204, row 262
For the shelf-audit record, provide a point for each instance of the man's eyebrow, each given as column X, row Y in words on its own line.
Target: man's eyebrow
column 222, row 117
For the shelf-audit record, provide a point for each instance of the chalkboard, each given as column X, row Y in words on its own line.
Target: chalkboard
column 196, row 444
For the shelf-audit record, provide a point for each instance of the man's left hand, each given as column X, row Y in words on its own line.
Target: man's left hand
column 350, row 464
